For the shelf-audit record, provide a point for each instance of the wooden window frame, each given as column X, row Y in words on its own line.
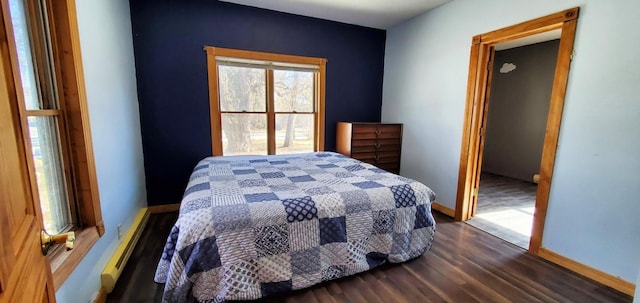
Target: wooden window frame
column 40, row 57
column 73, row 99
column 214, row 96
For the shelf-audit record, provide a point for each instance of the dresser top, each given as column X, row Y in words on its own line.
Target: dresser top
column 371, row 123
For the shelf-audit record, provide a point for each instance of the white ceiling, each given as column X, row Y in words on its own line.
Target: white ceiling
column 381, row 14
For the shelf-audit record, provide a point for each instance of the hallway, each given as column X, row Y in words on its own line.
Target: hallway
column 505, row 208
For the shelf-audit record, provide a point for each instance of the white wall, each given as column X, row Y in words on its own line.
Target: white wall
column 593, row 204
column 107, row 54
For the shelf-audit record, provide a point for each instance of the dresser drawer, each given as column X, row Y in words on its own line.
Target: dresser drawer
column 364, row 155
column 389, row 142
column 386, row 147
column 390, row 167
column 365, row 127
column 366, row 158
column 388, row 161
column 389, row 131
column 389, row 154
column 364, row 130
column 365, row 136
column 364, row 143
column 375, row 143
column 369, row 148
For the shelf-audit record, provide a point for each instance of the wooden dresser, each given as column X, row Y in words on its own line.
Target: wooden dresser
column 375, row 143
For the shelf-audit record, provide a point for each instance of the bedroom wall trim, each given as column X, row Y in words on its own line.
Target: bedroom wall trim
column 100, row 297
column 478, row 88
column 587, row 271
column 168, row 208
column 443, row 209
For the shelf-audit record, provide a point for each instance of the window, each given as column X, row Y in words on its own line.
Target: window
column 264, row 103
column 45, row 117
column 49, row 94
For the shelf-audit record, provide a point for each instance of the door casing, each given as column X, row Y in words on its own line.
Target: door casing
column 478, row 89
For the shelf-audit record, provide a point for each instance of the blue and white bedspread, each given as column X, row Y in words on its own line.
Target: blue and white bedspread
column 254, row 226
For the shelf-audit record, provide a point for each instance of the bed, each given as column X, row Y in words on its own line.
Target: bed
column 252, row 226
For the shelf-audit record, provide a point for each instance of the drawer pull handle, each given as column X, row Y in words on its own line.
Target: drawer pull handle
column 377, row 145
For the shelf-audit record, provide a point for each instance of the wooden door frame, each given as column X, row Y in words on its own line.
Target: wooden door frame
column 25, row 274
column 478, row 87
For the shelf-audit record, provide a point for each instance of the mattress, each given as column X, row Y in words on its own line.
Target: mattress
column 252, row 226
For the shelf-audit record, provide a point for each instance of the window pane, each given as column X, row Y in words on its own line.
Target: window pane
column 294, row 133
column 45, row 142
column 242, row 89
column 25, row 59
column 293, row 91
column 244, row 134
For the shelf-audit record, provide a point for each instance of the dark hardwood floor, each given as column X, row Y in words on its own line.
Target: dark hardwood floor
column 464, row 265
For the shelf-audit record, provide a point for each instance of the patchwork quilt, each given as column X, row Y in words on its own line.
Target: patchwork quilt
column 253, row 226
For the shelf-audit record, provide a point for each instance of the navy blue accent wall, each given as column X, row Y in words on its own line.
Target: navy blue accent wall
column 171, row 67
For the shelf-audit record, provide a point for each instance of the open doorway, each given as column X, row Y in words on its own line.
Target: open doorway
column 518, row 106
column 476, row 113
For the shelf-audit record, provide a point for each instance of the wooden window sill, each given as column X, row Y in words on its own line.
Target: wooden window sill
column 63, row 262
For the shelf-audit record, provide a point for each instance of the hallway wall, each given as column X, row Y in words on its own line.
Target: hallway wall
column 518, row 108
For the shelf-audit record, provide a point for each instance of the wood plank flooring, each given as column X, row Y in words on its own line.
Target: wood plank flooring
column 505, row 208
column 464, row 265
